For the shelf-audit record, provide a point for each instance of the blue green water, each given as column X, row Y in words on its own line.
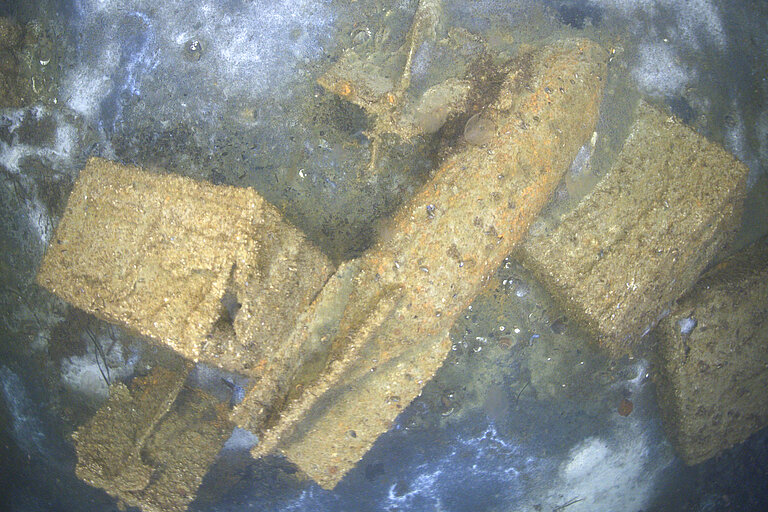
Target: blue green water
column 226, row 91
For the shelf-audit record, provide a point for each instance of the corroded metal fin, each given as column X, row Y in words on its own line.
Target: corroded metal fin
column 301, row 356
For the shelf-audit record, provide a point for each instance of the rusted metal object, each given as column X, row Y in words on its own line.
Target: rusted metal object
column 444, row 243
column 176, row 259
column 373, row 82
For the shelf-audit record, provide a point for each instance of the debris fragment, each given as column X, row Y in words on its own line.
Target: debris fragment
column 713, row 378
column 408, row 290
column 176, row 260
column 161, row 254
column 148, row 445
column 642, row 237
column 368, row 80
column 625, row 407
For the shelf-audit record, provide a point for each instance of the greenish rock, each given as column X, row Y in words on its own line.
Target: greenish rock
column 28, row 64
column 10, row 33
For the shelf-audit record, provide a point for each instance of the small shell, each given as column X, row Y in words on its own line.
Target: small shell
column 479, row 130
column 360, row 36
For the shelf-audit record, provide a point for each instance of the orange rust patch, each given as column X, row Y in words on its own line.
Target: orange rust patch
column 345, row 89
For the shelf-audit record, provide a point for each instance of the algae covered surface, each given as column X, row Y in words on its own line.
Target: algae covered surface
column 712, row 376
column 643, row 236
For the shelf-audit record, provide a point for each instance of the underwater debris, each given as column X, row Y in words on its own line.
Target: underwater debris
column 175, row 259
column 238, row 392
column 159, row 253
column 625, row 407
column 712, row 383
column 100, row 354
column 567, row 504
column 370, row 82
column 479, row 130
column 152, row 442
column 408, row 289
column 642, row 237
